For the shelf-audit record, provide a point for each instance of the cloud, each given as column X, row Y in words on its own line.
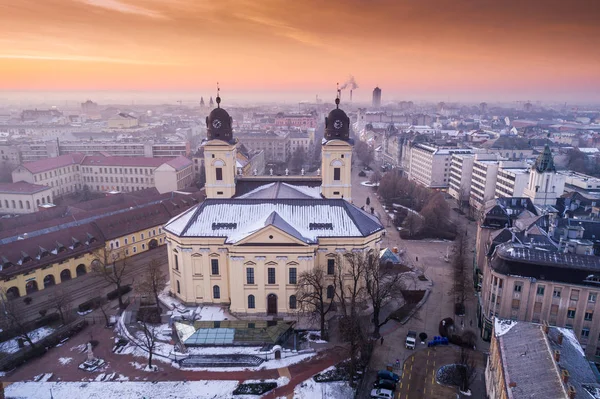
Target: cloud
column 80, row 58
column 117, row 5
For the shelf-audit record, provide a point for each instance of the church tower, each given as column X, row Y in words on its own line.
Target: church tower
column 219, row 154
column 336, row 155
column 544, row 185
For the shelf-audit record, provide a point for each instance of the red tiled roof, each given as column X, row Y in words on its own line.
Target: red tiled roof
column 179, row 163
column 21, row 188
column 53, row 163
column 98, row 160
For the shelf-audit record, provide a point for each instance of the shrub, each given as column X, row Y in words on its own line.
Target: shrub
column 446, row 325
column 48, row 319
column 149, row 315
column 90, row 304
column 256, row 388
column 115, row 293
column 362, row 173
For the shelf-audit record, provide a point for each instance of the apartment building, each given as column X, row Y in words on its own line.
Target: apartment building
column 512, row 179
column 483, row 182
column 122, row 121
column 9, row 156
column 68, row 173
column 277, row 148
column 300, row 140
column 19, row 198
column 430, row 165
column 461, row 172
column 62, row 174
column 530, row 360
column 303, row 121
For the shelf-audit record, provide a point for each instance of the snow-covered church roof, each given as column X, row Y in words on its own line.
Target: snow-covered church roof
column 305, row 219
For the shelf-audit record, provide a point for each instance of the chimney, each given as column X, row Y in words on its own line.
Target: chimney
column 571, row 392
column 565, row 376
column 545, row 327
column 557, row 356
column 560, row 338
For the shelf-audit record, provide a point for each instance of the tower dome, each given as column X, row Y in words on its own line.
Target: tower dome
column 337, row 124
column 218, row 124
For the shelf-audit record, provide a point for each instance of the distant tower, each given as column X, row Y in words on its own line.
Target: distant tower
column 201, row 102
column 528, row 106
column 211, row 102
column 220, row 153
column 376, row 97
column 336, row 155
column 483, row 108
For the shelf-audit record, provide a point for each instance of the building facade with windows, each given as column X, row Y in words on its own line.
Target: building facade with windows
column 247, row 244
column 430, row 165
column 19, row 198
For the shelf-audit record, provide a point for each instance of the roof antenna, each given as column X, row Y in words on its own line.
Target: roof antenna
column 337, row 98
column 218, row 99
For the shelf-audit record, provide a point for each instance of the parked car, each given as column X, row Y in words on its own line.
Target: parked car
column 388, row 375
column 385, row 384
column 382, row 394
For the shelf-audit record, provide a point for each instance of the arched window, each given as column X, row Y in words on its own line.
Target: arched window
column 20, row 204
column 216, row 292
column 293, row 302
column 28, row 204
column 251, row 302
column 330, row 292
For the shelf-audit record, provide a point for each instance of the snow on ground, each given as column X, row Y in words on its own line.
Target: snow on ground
column 12, row 346
column 123, row 390
column 288, row 361
column 226, row 350
column 204, row 313
column 65, row 360
column 310, row 389
column 568, row 334
column 315, row 336
column 502, row 326
column 281, row 381
column 369, row 184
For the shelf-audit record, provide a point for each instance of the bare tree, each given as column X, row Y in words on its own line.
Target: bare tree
column 312, row 294
column 13, row 318
column 153, row 281
column 413, row 223
column 466, row 369
column 62, row 301
column 146, row 339
column 112, row 269
column 461, row 272
column 382, row 286
column 350, row 293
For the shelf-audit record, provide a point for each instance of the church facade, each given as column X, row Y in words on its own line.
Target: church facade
column 247, row 244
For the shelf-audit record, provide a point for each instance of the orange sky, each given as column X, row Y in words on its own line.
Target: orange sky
column 527, row 48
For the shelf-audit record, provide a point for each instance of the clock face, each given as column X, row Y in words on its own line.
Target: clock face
column 216, row 123
column 338, row 124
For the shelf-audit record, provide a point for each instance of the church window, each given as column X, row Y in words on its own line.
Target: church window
column 293, row 275
column 251, row 302
column 250, row 275
column 271, row 275
column 336, row 174
column 330, row 292
column 219, row 172
column 330, row 266
column 293, row 302
column 216, row 292
column 214, row 264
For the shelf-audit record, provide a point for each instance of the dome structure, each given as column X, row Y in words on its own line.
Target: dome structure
column 218, row 124
column 337, row 124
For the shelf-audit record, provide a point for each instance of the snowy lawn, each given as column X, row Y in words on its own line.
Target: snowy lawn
column 314, row 336
column 11, row 346
column 310, row 389
column 204, row 313
column 123, row 390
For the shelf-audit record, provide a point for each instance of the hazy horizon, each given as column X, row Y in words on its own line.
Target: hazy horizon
column 539, row 50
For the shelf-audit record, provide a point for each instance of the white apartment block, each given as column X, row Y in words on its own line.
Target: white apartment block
column 483, row 182
column 512, row 179
column 68, row 173
column 461, row 172
column 430, row 165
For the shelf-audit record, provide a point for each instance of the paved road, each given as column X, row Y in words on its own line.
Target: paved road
column 439, row 305
column 90, row 285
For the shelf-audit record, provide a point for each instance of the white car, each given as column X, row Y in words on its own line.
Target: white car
column 382, row 394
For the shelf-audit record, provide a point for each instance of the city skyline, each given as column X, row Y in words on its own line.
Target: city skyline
column 490, row 52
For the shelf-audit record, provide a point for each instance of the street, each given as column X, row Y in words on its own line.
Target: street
column 428, row 256
column 90, row 285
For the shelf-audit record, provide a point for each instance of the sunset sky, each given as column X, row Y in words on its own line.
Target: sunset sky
column 526, row 49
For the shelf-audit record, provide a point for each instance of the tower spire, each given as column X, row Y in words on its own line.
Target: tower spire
column 337, row 98
column 218, row 99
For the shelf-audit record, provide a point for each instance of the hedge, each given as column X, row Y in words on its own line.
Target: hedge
column 115, row 293
column 90, row 304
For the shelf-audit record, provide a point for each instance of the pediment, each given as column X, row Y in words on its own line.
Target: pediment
column 249, row 263
column 271, row 235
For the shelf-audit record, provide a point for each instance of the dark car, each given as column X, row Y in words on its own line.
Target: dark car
column 385, row 384
column 388, row 375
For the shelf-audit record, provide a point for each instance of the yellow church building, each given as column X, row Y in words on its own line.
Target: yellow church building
column 246, row 245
